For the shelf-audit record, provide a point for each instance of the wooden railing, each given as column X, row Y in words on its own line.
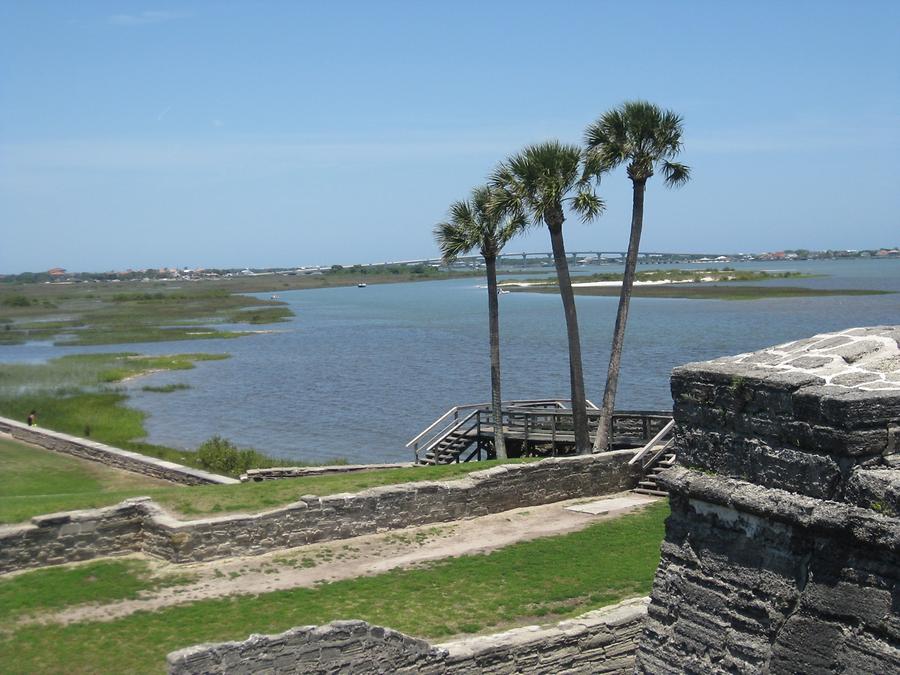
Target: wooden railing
column 544, row 421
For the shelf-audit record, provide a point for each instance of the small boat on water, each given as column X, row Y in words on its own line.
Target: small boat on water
column 502, row 291
column 274, row 297
column 361, row 284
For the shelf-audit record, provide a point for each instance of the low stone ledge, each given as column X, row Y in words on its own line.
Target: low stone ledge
column 279, row 472
column 601, row 641
column 111, row 456
column 834, row 519
column 876, row 489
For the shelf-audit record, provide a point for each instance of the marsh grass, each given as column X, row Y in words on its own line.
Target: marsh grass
column 165, row 388
column 35, row 481
column 107, row 315
column 707, row 291
column 72, row 394
column 726, row 274
column 89, row 370
column 541, row 580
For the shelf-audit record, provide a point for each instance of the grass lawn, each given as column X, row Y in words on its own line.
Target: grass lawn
column 59, row 587
column 35, row 481
column 542, row 580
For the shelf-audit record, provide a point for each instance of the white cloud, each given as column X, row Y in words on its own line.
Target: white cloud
column 146, row 17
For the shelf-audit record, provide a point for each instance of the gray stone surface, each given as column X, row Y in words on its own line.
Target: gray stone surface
column 141, row 525
column 279, row 472
column 106, row 454
column 801, row 416
column 782, row 553
column 603, row 641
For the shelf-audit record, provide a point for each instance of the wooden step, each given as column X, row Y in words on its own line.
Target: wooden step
column 655, row 493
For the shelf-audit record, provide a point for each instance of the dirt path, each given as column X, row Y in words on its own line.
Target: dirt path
column 360, row 556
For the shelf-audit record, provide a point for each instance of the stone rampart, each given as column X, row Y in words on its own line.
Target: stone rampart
column 782, row 553
column 279, row 472
column 106, row 454
column 312, row 519
column 603, row 641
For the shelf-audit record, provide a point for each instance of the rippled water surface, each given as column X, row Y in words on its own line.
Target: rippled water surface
column 359, row 371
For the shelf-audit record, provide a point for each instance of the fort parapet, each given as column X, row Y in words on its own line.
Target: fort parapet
column 782, row 553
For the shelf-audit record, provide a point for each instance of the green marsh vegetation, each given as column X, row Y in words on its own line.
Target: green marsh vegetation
column 543, row 580
column 76, row 394
column 726, row 274
column 700, row 284
column 94, row 314
column 712, row 292
column 111, row 312
column 34, row 481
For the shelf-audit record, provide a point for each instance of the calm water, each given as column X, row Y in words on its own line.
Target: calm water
column 358, row 372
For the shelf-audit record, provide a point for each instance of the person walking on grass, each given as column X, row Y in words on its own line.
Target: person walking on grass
column 32, row 418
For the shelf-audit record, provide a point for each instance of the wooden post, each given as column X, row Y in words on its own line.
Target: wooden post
column 553, row 443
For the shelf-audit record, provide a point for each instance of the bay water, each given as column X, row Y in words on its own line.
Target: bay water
column 359, row 371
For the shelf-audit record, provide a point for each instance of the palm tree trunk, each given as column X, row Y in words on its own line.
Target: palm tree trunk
column 615, row 356
column 494, row 330
column 576, row 374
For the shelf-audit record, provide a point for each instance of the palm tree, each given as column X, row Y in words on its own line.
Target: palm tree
column 535, row 185
column 644, row 137
column 473, row 224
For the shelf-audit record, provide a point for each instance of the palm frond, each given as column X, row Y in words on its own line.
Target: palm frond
column 638, row 133
column 588, row 205
column 452, row 240
column 676, row 174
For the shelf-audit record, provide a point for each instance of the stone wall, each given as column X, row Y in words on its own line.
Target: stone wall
column 782, row 553
column 69, row 537
column 603, row 641
column 106, row 454
column 314, row 519
column 279, row 472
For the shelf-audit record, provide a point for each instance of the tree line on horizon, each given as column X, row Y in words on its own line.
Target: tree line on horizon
column 536, row 187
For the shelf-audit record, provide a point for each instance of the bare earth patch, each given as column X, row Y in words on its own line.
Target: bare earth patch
column 313, row 564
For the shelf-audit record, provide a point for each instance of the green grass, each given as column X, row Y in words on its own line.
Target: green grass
column 543, row 580
column 58, row 587
column 708, row 291
column 34, row 482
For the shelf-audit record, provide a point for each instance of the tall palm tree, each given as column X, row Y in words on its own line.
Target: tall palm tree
column 535, row 185
column 474, row 224
column 645, row 138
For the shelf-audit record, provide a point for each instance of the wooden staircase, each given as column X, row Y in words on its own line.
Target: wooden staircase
column 655, row 457
column 649, row 486
column 448, row 449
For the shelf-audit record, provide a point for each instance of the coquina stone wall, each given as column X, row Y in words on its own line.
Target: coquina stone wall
column 141, row 525
column 279, row 472
column 782, row 553
column 603, row 641
column 106, row 454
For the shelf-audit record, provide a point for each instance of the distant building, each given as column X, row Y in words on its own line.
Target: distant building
column 57, row 272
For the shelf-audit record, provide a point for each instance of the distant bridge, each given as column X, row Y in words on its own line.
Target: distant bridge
column 524, row 257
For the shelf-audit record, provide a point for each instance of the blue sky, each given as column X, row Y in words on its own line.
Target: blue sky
column 296, row 133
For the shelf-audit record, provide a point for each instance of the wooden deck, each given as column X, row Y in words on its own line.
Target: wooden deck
column 531, row 428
